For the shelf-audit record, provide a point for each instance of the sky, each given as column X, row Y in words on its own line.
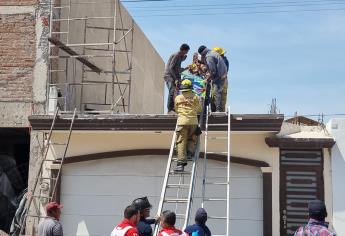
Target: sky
column 290, row 50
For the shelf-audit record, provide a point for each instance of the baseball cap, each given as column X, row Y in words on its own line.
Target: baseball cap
column 53, row 205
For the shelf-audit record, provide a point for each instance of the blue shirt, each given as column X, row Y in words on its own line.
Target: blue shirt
column 202, row 230
column 144, row 227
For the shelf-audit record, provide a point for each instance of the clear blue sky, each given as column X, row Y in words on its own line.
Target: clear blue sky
column 297, row 57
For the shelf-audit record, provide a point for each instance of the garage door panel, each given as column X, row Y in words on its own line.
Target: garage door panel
column 95, row 194
column 106, row 205
column 111, row 185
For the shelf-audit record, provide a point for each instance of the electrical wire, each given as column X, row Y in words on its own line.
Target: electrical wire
column 239, row 13
column 240, row 4
column 242, row 7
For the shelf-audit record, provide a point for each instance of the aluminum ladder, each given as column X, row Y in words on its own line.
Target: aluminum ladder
column 224, row 183
column 178, row 187
column 45, row 185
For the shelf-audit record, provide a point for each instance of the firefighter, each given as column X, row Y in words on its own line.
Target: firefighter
column 187, row 106
column 144, row 225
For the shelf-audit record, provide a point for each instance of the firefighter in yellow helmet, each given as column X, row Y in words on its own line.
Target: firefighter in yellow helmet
column 187, row 106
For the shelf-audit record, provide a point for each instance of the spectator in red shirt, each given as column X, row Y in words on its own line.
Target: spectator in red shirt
column 128, row 225
column 168, row 220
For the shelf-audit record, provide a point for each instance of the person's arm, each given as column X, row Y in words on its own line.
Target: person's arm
column 211, row 66
column 197, row 104
column 57, row 230
column 172, row 65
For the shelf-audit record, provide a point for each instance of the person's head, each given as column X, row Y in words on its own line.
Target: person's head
column 201, row 216
column 53, row 209
column 184, row 49
column 132, row 214
column 195, row 57
column 317, row 210
column 202, row 50
column 168, row 219
column 219, row 50
column 186, row 86
column 143, row 205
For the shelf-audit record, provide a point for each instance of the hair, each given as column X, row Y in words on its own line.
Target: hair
column 169, row 218
column 130, row 211
column 184, row 47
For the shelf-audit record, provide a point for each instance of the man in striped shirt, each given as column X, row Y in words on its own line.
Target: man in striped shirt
column 50, row 226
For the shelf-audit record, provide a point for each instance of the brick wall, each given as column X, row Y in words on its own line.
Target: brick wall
column 17, row 55
column 17, row 2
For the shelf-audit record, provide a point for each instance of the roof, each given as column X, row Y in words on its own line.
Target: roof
column 302, row 120
column 239, row 122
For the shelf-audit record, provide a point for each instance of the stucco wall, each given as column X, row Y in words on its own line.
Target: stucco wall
column 247, row 145
column 337, row 128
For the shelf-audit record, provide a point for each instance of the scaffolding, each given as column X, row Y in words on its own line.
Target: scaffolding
column 90, row 56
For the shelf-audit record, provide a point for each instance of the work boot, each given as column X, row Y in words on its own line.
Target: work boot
column 190, row 156
column 179, row 168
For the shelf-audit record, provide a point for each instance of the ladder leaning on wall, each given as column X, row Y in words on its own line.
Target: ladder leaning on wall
column 222, row 181
column 45, row 183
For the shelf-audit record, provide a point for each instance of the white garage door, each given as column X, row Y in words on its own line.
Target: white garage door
column 94, row 194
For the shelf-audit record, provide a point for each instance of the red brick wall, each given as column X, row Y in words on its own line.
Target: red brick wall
column 17, row 2
column 17, row 56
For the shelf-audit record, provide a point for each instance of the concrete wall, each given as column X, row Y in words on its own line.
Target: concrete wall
column 146, row 88
column 22, row 61
column 337, row 128
column 247, row 145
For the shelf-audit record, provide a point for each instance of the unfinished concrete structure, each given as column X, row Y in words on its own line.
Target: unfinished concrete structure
column 49, row 52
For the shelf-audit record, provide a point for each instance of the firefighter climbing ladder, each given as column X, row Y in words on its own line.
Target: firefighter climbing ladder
column 45, row 185
column 181, row 185
column 183, row 201
column 206, row 184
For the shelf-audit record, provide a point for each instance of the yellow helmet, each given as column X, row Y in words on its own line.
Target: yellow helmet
column 219, row 50
column 186, row 85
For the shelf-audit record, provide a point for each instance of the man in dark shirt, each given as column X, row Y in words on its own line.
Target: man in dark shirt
column 172, row 74
column 144, row 225
column 199, row 228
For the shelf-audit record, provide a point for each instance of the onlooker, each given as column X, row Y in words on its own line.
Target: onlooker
column 187, row 106
column 316, row 225
column 144, row 225
column 50, row 226
column 199, row 228
column 218, row 72
column 172, row 75
column 168, row 220
column 128, row 225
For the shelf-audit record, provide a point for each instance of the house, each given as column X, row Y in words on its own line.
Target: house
column 276, row 169
column 98, row 61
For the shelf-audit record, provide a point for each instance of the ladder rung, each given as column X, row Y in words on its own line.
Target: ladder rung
column 176, row 200
column 218, row 234
column 217, row 124
column 217, row 138
column 61, row 144
column 57, row 71
column 217, row 152
column 60, row 32
column 217, row 217
column 217, row 168
column 216, row 183
column 219, row 113
column 180, row 216
column 215, row 199
column 36, row 216
column 177, row 186
column 188, row 160
column 37, row 196
column 180, row 173
column 47, row 178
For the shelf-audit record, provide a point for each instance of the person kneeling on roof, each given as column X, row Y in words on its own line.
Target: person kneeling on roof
column 144, row 225
column 168, row 220
column 187, row 107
